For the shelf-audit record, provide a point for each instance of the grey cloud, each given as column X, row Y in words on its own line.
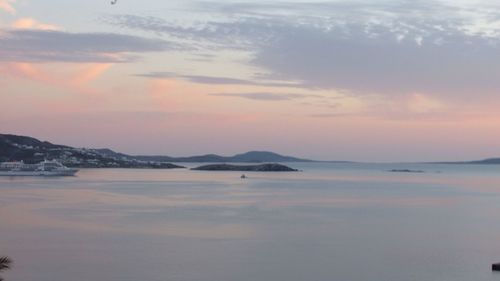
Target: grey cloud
column 327, row 59
column 210, row 35
column 197, row 79
column 203, row 57
column 200, row 79
column 393, row 47
column 331, row 8
column 217, row 80
column 322, row 103
column 262, row 96
column 59, row 46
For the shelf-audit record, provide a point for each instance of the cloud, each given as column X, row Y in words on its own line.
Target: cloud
column 76, row 78
column 422, row 104
column 214, row 35
column 329, row 115
column 7, row 6
column 201, row 79
column 59, row 46
column 386, row 48
column 90, row 73
column 29, row 23
column 29, row 71
column 262, row 96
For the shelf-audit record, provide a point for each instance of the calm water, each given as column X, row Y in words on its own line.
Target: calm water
column 345, row 222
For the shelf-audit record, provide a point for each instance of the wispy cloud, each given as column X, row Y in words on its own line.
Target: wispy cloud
column 76, row 78
column 7, row 5
column 90, row 73
column 28, row 71
column 201, row 79
column 29, row 23
column 386, row 48
column 60, row 46
column 262, row 96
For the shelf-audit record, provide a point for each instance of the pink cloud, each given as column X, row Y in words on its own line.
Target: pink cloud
column 90, row 73
column 29, row 23
column 75, row 79
column 29, row 71
column 6, row 5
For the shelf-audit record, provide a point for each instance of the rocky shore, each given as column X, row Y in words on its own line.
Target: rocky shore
column 246, row 168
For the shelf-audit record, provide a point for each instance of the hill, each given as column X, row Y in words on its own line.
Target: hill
column 491, row 161
column 248, row 157
column 32, row 150
column 487, row 161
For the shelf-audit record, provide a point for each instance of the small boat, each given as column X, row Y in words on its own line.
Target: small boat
column 45, row 168
column 243, row 176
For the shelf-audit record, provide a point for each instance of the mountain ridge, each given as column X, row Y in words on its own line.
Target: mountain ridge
column 247, row 157
column 29, row 149
column 486, row 161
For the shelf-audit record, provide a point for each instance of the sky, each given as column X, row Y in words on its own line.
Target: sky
column 353, row 80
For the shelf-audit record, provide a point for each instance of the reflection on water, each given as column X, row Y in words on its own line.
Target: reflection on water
column 330, row 222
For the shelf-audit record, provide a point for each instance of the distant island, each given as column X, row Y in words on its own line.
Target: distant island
column 32, row 150
column 488, row 161
column 405, row 171
column 248, row 157
column 246, row 168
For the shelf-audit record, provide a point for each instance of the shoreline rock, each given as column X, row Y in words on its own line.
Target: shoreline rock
column 246, row 168
column 406, row 171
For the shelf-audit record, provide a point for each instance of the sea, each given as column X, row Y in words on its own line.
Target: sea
column 328, row 222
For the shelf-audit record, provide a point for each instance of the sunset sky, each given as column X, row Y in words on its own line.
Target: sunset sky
column 332, row 80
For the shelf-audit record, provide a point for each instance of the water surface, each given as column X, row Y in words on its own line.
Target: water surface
column 346, row 222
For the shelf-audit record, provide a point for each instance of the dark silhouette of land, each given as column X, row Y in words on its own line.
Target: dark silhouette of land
column 406, row 171
column 31, row 150
column 246, row 168
column 248, row 157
